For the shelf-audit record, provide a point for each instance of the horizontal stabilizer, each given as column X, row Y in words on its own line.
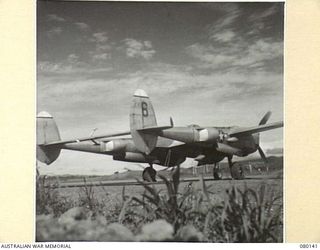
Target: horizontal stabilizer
column 155, row 129
column 256, row 129
column 168, row 143
column 56, row 143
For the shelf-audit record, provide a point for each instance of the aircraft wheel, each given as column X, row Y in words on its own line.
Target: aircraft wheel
column 217, row 175
column 237, row 172
column 149, row 174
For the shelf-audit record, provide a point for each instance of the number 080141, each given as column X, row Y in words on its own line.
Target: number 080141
column 306, row 245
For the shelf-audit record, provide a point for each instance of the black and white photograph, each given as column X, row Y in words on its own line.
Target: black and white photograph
column 159, row 121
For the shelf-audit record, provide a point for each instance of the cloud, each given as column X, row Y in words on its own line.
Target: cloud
column 230, row 13
column 174, row 90
column 82, row 26
column 260, row 51
column 224, row 36
column 66, row 67
column 255, row 54
column 209, row 56
column 103, row 47
column 225, row 47
column 54, row 31
column 136, row 49
column 73, row 58
column 258, row 16
column 99, row 37
column 102, row 56
column 70, row 68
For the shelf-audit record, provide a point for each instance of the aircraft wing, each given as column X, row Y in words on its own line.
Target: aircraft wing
column 56, row 143
column 256, row 129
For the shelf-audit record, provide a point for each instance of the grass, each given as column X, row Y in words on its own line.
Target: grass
column 191, row 213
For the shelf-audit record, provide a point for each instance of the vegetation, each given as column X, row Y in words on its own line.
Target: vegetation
column 240, row 214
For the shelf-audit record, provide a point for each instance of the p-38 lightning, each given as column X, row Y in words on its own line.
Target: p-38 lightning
column 163, row 145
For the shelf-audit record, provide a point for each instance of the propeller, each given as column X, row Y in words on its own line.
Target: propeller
column 263, row 121
column 265, row 118
column 263, row 156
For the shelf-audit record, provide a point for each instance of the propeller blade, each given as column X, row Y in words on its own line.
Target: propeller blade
column 265, row 118
column 263, row 156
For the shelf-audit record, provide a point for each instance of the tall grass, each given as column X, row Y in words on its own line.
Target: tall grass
column 48, row 198
column 244, row 215
column 196, row 213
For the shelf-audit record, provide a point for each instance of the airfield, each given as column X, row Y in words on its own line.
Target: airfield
column 255, row 170
column 72, row 206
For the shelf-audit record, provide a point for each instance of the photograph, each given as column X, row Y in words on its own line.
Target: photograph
column 159, row 122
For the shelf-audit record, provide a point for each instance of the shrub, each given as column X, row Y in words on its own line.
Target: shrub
column 48, row 199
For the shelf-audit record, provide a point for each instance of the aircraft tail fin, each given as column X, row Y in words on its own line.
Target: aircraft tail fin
column 47, row 131
column 142, row 116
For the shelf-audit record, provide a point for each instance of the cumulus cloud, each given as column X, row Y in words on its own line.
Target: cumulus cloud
column 99, row 37
column 136, row 49
column 102, row 47
column 54, row 17
column 82, row 26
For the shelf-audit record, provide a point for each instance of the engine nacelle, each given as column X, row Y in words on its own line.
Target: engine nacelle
column 208, row 135
column 133, row 157
column 116, row 145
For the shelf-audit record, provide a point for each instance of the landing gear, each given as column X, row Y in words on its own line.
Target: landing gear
column 149, row 174
column 217, row 175
column 236, row 170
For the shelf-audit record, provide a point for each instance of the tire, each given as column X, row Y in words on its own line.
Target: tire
column 217, row 175
column 237, row 172
column 149, row 174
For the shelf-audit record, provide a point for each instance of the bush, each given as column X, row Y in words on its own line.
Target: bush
column 48, row 199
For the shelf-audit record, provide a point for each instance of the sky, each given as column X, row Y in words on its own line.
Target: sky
column 212, row 64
